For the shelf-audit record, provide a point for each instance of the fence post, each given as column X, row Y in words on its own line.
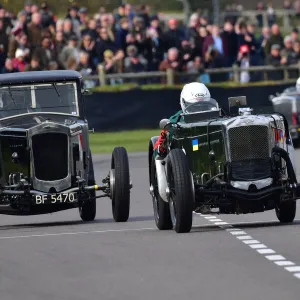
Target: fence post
column 236, row 73
column 285, row 74
column 101, row 75
column 170, row 76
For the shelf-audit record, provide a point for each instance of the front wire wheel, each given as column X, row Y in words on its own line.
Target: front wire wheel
column 160, row 207
column 286, row 211
column 182, row 195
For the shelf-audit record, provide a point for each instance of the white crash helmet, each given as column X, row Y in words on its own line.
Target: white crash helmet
column 298, row 84
column 192, row 93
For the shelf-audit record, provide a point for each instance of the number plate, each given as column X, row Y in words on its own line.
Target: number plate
column 55, row 198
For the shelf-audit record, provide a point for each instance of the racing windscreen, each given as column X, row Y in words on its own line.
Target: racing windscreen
column 203, row 105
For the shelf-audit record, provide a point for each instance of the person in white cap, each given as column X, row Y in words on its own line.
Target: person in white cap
column 19, row 60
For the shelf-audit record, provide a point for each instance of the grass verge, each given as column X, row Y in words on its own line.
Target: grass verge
column 133, row 141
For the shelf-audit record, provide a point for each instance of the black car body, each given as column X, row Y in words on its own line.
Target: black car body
column 237, row 164
column 45, row 159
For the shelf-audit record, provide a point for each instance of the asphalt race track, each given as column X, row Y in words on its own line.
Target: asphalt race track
column 57, row 257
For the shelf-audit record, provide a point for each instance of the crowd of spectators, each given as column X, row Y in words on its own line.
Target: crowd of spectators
column 134, row 40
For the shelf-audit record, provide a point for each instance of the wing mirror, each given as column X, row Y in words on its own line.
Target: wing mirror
column 86, row 92
column 165, row 124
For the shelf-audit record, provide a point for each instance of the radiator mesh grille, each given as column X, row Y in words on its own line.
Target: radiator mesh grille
column 250, row 152
column 249, row 142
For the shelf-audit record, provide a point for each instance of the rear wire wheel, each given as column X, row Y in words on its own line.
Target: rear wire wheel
column 182, row 195
column 121, row 189
column 161, row 208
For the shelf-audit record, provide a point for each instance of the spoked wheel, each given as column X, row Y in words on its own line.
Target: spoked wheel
column 182, row 195
column 120, row 185
column 160, row 207
column 286, row 211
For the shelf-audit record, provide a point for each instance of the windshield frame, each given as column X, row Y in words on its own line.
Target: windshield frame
column 214, row 102
column 33, row 87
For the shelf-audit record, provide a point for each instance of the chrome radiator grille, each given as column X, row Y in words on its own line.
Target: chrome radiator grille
column 249, row 142
column 250, row 152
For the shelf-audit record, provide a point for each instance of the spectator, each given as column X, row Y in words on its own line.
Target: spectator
column 187, row 53
column 275, row 60
column 19, row 62
column 122, row 33
column 89, row 46
column 19, row 41
column 91, row 29
column 9, row 67
column 7, row 24
column 45, row 52
column 34, row 30
column 75, row 20
column 68, row 29
column 72, row 63
column 155, row 25
column 104, row 43
column 295, row 35
column 243, row 61
column 262, row 41
column 109, row 62
column 192, row 30
column 134, row 62
column 47, row 16
column 173, row 36
column 83, row 16
column 288, row 47
column 293, row 59
column 3, row 37
column 172, row 62
column 2, row 57
column 214, row 40
column 34, row 65
column 275, row 39
column 70, row 51
column 199, row 41
column 21, row 23
column 156, row 54
column 230, row 44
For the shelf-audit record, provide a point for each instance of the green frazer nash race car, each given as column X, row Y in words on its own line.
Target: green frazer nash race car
column 237, row 164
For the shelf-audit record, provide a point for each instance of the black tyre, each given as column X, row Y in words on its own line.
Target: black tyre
column 120, row 185
column 161, row 208
column 87, row 210
column 182, row 195
column 286, row 211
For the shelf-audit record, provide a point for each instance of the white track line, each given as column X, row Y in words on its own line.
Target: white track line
column 256, row 245
column 73, row 233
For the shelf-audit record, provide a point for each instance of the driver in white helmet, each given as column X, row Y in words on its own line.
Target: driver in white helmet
column 191, row 93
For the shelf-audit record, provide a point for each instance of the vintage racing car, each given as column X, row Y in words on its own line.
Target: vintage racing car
column 288, row 104
column 45, row 159
column 237, row 164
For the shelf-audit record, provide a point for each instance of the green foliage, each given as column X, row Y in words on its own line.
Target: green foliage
column 133, row 141
column 149, row 87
